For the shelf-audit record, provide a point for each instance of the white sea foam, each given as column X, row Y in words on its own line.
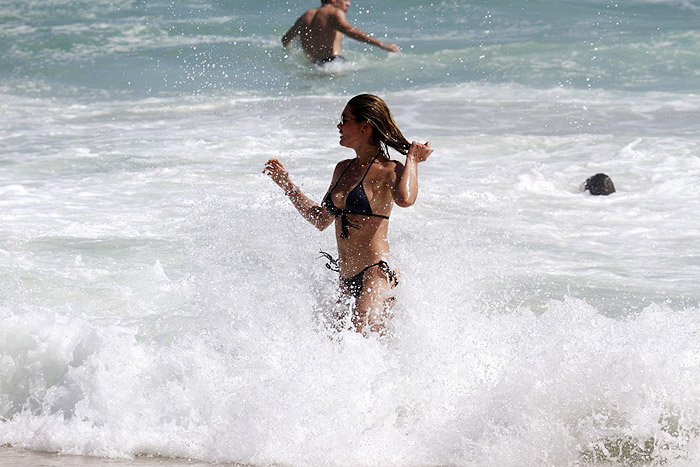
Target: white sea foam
column 160, row 296
column 168, row 300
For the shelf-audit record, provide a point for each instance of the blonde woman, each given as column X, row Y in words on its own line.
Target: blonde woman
column 362, row 192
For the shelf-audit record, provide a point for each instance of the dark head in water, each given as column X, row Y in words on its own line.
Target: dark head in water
column 599, row 184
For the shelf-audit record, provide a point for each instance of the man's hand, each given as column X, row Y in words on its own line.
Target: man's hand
column 390, row 47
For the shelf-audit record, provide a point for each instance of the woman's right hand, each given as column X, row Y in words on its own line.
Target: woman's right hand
column 276, row 171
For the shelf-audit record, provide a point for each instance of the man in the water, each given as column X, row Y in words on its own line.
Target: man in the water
column 321, row 31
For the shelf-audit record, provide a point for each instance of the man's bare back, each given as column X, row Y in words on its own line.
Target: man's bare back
column 321, row 30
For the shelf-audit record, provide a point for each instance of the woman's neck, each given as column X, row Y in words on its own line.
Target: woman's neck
column 366, row 154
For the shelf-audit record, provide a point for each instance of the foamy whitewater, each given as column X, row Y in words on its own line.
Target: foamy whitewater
column 159, row 296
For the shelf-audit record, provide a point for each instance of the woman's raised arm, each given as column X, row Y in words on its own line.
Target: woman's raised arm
column 312, row 212
column 405, row 190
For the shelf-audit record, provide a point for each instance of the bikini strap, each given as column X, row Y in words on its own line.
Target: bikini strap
column 332, row 263
column 390, row 273
column 345, row 224
column 346, row 169
column 363, row 180
column 340, row 178
column 384, row 267
column 369, row 167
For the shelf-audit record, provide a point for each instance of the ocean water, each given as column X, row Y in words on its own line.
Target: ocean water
column 159, row 296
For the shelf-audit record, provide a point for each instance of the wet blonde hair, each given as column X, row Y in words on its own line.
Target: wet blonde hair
column 385, row 133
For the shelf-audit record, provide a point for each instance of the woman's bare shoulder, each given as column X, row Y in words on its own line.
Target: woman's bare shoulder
column 342, row 164
column 392, row 165
column 388, row 168
column 340, row 168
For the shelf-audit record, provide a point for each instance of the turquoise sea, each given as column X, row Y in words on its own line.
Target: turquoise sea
column 160, row 297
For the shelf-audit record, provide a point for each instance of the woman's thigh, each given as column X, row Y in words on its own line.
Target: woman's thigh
column 373, row 303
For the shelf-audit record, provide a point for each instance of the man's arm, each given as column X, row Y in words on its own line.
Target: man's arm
column 352, row 32
column 293, row 32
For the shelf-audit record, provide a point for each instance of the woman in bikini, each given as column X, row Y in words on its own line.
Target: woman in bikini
column 360, row 197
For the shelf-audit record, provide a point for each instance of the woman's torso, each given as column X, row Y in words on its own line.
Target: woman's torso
column 363, row 195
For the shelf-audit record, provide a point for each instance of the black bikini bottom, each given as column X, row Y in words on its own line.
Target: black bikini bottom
column 353, row 284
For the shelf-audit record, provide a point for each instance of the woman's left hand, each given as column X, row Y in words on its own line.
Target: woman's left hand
column 419, row 152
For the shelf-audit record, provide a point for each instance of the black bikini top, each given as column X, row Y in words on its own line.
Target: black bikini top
column 355, row 203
